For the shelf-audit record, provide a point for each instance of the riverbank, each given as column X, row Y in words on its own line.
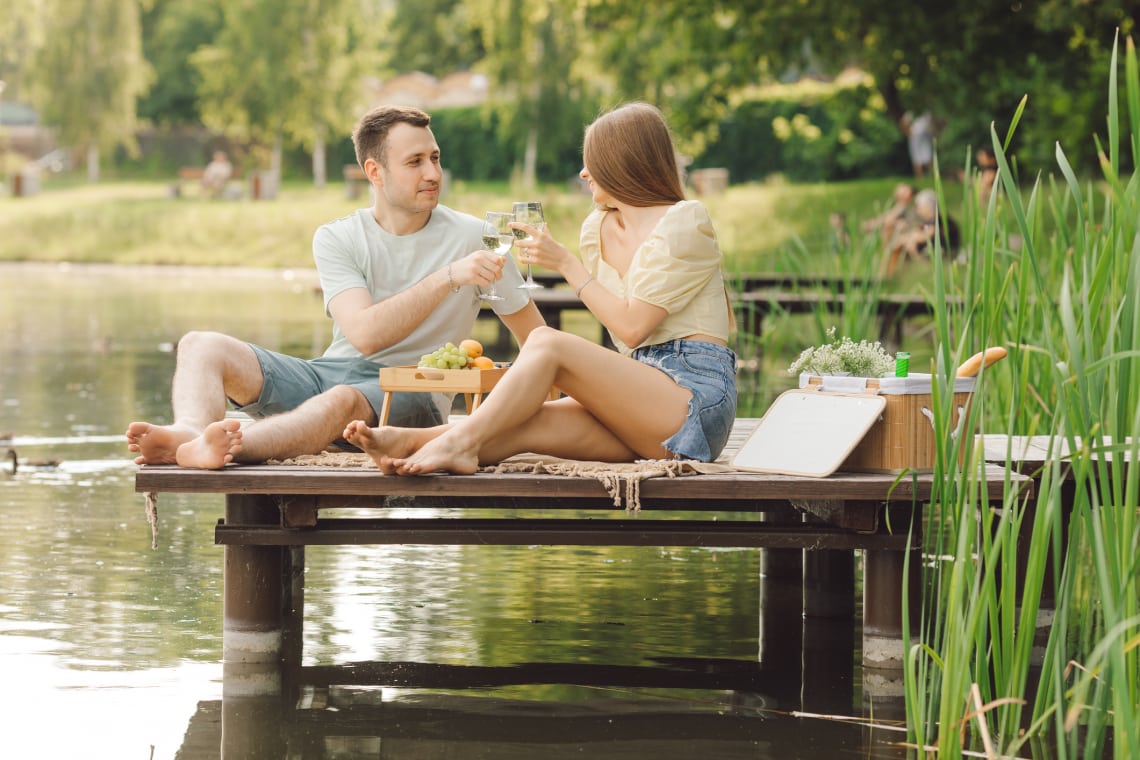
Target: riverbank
column 138, row 223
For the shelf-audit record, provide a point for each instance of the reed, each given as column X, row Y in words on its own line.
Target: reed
column 1054, row 275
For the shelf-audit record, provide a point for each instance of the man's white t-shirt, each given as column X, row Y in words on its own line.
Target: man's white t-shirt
column 356, row 252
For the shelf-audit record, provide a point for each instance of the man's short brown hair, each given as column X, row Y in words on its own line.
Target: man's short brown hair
column 370, row 137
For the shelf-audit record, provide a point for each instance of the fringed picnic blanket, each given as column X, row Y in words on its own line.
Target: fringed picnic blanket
column 622, row 480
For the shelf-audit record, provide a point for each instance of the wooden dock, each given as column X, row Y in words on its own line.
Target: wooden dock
column 273, row 511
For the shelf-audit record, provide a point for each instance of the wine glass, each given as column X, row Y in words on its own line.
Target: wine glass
column 497, row 238
column 529, row 212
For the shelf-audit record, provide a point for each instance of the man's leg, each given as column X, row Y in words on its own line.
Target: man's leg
column 308, row 429
column 210, row 367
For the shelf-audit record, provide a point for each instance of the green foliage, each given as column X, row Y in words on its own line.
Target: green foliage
column 841, row 135
column 470, row 143
column 436, row 37
column 538, row 93
column 172, row 32
column 474, row 142
column 89, row 71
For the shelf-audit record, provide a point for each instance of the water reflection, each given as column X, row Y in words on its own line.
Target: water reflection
column 110, row 649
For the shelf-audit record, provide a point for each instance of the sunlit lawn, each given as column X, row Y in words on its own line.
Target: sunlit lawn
column 138, row 223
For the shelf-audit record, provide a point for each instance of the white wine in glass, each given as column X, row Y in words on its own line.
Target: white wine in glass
column 529, row 212
column 497, row 239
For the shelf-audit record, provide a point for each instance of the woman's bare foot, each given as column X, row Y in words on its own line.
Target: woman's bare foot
column 214, row 449
column 385, row 444
column 441, row 454
column 157, row 444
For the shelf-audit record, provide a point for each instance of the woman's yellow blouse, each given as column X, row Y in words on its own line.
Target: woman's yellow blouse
column 678, row 268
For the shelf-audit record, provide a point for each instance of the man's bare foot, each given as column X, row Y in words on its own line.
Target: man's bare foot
column 383, row 444
column 214, row 449
column 157, row 444
column 439, row 455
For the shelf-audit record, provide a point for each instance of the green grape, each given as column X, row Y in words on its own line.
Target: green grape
column 447, row 356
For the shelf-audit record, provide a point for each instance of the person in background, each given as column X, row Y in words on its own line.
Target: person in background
column 216, row 174
column 897, row 218
column 920, row 131
column 919, row 241
column 650, row 271
column 399, row 281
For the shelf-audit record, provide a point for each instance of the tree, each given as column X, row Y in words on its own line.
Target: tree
column 88, row 74
column 281, row 70
column 969, row 60
column 172, row 31
column 532, row 56
column 20, row 32
column 436, row 37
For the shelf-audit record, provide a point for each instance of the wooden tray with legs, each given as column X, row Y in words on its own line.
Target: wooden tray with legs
column 472, row 383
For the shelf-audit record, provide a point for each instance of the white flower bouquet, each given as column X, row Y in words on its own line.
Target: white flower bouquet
column 843, row 356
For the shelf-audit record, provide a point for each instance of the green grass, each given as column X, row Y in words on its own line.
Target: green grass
column 136, row 223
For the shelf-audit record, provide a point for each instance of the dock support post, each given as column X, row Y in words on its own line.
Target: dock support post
column 257, row 584
column 884, row 583
column 252, row 712
column 886, row 578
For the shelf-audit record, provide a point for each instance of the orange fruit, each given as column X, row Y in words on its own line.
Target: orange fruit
column 481, row 362
column 473, row 347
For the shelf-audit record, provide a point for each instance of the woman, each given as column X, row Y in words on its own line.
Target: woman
column 650, row 271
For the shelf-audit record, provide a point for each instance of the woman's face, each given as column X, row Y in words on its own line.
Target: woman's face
column 601, row 197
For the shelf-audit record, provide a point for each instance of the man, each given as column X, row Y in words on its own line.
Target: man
column 216, row 174
column 399, row 280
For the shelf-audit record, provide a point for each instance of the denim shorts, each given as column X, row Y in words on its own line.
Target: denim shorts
column 289, row 382
column 708, row 370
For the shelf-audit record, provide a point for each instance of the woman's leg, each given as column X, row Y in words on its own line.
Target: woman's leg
column 624, row 409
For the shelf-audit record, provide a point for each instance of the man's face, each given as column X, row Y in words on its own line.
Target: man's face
column 411, row 178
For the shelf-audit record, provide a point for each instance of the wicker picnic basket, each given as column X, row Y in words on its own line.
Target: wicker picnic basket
column 903, row 438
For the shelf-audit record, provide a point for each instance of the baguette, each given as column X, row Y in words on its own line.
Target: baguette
column 972, row 366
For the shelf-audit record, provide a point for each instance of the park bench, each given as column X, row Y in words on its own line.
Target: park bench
column 891, row 309
column 355, row 180
column 273, row 511
column 191, row 176
column 262, row 185
column 746, row 282
column 186, row 174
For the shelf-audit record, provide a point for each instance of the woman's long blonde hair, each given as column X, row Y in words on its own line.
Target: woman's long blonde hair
column 629, row 153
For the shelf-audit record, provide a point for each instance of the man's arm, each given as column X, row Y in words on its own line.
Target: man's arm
column 523, row 321
column 372, row 327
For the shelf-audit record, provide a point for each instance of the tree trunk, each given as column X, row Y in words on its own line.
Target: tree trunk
column 319, row 175
column 892, row 100
column 275, row 156
column 92, row 163
column 530, row 158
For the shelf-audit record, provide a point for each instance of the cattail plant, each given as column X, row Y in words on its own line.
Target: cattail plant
column 1053, row 274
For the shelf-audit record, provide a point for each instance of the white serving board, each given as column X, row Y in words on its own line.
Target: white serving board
column 809, row 432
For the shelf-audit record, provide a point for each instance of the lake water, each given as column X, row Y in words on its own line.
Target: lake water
column 112, row 649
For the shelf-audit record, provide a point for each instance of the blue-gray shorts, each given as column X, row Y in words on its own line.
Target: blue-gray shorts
column 290, row 381
column 708, row 370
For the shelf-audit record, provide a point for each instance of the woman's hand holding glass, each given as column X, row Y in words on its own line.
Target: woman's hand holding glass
column 530, row 214
column 536, row 247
